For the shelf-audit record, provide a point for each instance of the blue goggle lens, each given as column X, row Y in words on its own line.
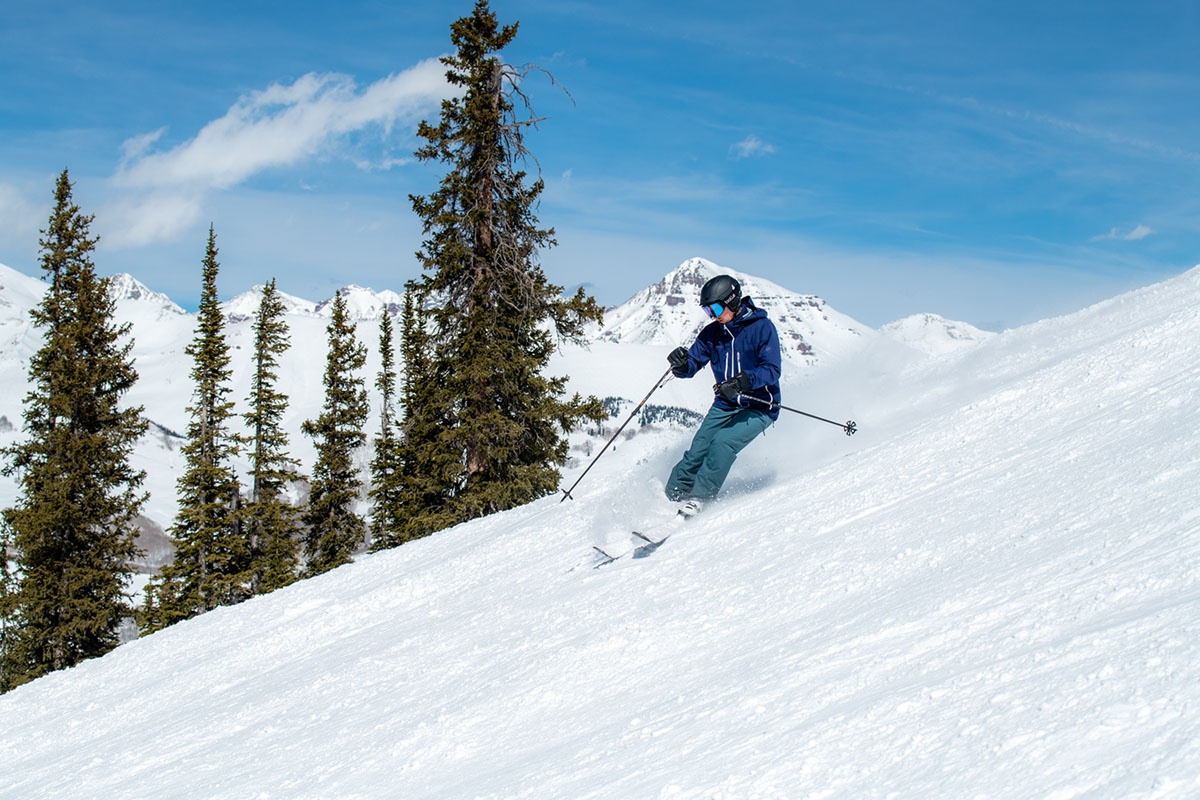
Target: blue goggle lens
column 714, row 309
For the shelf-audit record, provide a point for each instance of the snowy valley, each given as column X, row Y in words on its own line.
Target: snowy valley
column 991, row 591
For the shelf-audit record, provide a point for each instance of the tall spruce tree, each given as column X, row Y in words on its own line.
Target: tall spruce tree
column 334, row 531
column 386, row 511
column 495, row 317
column 212, row 558
column 72, row 529
column 427, row 467
column 269, row 520
column 7, row 612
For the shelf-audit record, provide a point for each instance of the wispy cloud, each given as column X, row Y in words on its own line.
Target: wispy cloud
column 19, row 216
column 1140, row 232
column 380, row 165
column 136, row 147
column 751, row 146
column 280, row 126
column 153, row 216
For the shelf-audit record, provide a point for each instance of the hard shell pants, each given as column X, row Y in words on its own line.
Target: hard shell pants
column 722, row 435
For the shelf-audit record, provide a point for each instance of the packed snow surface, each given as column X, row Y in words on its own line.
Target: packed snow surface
column 990, row 592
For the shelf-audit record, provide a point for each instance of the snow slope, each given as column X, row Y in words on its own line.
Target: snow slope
column 991, row 592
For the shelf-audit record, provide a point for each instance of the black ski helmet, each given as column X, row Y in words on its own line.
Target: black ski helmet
column 722, row 289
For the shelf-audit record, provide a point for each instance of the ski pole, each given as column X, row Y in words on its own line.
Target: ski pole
column 658, row 384
column 850, row 427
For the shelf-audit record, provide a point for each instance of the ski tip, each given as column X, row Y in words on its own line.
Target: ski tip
column 608, row 559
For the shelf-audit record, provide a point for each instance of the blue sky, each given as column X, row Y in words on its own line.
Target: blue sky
column 994, row 162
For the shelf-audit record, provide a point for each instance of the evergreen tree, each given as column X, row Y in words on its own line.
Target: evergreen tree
column 72, row 530
column 212, row 557
column 386, row 513
column 427, row 464
column 268, row 519
column 334, row 531
column 495, row 316
column 7, row 612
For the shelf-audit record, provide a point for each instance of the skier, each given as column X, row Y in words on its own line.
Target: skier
column 742, row 345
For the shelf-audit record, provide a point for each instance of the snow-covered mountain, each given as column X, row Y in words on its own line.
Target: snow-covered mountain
column 129, row 291
column 993, row 590
column 18, row 342
column 361, row 304
column 666, row 314
column 18, row 294
column 365, row 304
column 934, row 334
column 245, row 305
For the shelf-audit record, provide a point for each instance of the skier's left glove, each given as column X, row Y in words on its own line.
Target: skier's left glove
column 730, row 389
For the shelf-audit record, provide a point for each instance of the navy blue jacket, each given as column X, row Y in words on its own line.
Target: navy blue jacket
column 748, row 343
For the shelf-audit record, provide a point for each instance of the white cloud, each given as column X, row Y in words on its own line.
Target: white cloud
column 152, row 217
column 751, row 146
column 382, row 165
column 1140, row 232
column 133, row 148
column 280, row 126
column 19, row 217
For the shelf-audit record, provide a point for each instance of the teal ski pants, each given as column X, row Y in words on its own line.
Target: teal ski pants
column 715, row 447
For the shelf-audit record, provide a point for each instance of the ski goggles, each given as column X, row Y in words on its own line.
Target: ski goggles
column 714, row 310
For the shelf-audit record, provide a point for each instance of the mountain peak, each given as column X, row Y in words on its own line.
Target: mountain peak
column 696, row 271
column 363, row 303
column 245, row 305
column 934, row 334
column 667, row 313
column 124, row 286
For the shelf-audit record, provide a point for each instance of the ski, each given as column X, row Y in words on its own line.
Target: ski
column 650, row 544
column 607, row 556
column 637, row 552
column 641, row 551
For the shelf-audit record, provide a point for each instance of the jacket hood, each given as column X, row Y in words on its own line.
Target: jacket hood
column 747, row 314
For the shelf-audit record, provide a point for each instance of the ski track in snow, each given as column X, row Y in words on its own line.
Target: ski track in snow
column 991, row 592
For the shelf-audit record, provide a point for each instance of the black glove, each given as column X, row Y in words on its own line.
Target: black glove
column 730, row 389
column 678, row 359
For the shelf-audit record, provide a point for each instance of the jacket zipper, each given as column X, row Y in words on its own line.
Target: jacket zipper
column 732, row 361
